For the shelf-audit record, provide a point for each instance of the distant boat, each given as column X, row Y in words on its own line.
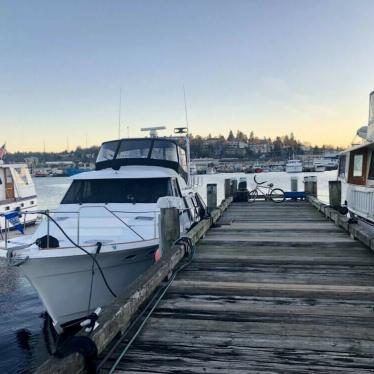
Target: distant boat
column 41, row 173
column 76, row 170
column 319, row 166
column 211, row 170
column 17, row 192
column 294, row 166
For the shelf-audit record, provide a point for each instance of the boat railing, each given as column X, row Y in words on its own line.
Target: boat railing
column 55, row 218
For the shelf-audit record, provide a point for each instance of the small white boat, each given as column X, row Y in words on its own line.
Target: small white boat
column 17, row 192
column 319, row 165
column 356, row 171
column 112, row 214
column 294, row 166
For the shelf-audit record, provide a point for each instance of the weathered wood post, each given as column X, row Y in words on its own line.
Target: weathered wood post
column 227, row 187
column 169, row 228
column 294, row 184
column 211, row 193
column 335, row 193
column 169, row 222
column 310, row 186
column 234, row 186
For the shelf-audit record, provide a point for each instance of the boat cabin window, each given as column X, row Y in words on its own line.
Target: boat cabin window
column 163, row 150
column 175, row 186
column 358, row 167
column 107, row 151
column 134, row 149
column 371, row 167
column 21, row 176
column 342, row 163
column 102, row 191
column 182, row 158
column 358, row 161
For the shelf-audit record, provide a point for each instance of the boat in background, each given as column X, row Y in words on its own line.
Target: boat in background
column 17, row 193
column 319, row 165
column 294, row 166
column 356, row 171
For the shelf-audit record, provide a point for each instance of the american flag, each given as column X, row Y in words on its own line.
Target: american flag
column 2, row 151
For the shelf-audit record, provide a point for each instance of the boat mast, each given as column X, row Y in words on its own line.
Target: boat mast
column 187, row 139
column 119, row 113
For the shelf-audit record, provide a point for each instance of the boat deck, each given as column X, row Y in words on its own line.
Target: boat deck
column 273, row 288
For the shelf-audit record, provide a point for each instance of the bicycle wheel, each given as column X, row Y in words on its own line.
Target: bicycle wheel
column 252, row 196
column 277, row 195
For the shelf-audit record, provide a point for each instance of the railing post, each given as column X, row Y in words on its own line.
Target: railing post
column 211, row 193
column 169, row 228
column 335, row 193
column 227, row 187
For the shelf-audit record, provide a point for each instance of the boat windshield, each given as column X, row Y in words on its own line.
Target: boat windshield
column 102, row 191
column 107, row 151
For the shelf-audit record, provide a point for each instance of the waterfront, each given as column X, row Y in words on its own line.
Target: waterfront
column 23, row 335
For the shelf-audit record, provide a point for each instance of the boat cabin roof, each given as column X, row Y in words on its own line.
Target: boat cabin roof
column 161, row 152
column 128, row 172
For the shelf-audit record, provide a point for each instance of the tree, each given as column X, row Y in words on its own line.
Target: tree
column 231, row 136
column 241, row 136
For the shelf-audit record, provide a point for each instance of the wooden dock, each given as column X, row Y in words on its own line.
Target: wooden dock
column 273, row 288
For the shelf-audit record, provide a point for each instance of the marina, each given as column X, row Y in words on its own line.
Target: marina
column 183, row 188
column 22, row 314
column 270, row 287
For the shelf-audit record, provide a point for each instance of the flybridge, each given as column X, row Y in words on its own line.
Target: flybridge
column 163, row 152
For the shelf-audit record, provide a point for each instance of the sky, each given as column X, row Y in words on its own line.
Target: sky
column 271, row 66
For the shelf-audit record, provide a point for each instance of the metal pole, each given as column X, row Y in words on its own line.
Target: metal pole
column 47, row 211
column 78, row 226
column 6, row 234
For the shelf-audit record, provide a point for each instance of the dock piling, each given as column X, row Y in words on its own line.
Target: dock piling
column 212, row 196
column 294, row 183
column 234, row 186
column 169, row 227
column 227, row 187
column 310, row 185
column 335, row 193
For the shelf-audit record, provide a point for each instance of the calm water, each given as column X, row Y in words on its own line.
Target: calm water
column 23, row 334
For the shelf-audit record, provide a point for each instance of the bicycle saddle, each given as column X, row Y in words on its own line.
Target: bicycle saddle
column 270, row 185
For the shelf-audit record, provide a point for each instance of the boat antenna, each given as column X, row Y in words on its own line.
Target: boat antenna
column 185, row 108
column 153, row 130
column 119, row 113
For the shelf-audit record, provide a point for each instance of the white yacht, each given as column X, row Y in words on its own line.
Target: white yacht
column 17, row 192
column 112, row 214
column 319, row 165
column 294, row 166
column 356, row 171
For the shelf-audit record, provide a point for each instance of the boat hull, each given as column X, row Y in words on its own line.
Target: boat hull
column 64, row 283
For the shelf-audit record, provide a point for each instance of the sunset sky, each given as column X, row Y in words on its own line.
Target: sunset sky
column 273, row 67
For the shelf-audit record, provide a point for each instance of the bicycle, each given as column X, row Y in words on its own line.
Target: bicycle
column 274, row 194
